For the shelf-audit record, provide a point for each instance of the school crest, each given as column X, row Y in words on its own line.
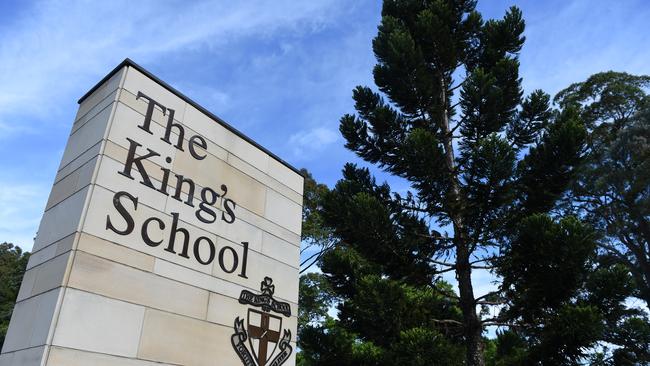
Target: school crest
column 259, row 340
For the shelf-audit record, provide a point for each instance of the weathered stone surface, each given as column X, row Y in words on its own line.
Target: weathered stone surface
column 31, row 321
column 60, row 356
column 96, row 323
column 25, row 357
column 117, row 281
column 181, row 340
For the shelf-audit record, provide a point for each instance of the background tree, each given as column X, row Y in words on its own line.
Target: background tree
column 613, row 189
column 13, row 262
column 590, row 297
column 316, row 237
column 479, row 159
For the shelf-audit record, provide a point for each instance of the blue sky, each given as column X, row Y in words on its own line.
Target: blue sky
column 280, row 71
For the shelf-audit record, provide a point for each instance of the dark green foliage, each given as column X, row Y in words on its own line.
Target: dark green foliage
column 489, row 189
column 544, row 269
column 383, row 310
column 534, row 116
column 424, row 347
column 511, row 349
column 616, row 193
column 313, row 230
column 395, row 242
column 607, row 287
column 417, row 42
column 613, row 189
column 627, row 329
column 326, row 345
column 545, row 265
column 489, row 99
column 12, row 268
column 565, row 337
column 549, row 167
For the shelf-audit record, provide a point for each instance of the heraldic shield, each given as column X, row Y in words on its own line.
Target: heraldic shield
column 261, row 341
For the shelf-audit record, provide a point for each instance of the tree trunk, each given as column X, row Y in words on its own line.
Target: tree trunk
column 473, row 329
column 472, row 323
column 644, row 280
column 640, row 268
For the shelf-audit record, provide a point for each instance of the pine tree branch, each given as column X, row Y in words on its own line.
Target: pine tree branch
column 486, row 295
column 486, row 259
column 436, row 237
column 446, row 247
column 457, row 126
column 414, row 208
column 458, row 85
column 315, row 257
column 317, row 254
column 505, row 324
column 483, row 267
column 442, row 292
column 448, row 321
column 493, row 303
column 452, row 265
column 305, row 248
column 445, row 270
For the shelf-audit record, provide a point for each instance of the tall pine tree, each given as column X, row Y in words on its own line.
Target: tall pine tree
column 450, row 119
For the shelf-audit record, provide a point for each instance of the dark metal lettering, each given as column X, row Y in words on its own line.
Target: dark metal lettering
column 205, row 207
column 172, row 237
column 145, row 232
column 244, row 260
column 179, row 189
column 168, row 131
column 130, row 224
column 150, row 107
column 199, row 141
column 131, row 159
column 197, row 252
column 165, row 180
column 235, row 259
column 229, row 215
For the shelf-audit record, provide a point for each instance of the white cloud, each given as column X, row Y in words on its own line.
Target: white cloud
column 568, row 43
column 305, row 143
column 59, row 46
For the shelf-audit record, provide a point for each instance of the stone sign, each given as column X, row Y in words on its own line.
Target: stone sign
column 169, row 238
